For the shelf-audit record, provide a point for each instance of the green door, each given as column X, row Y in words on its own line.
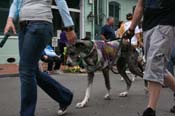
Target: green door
column 57, row 21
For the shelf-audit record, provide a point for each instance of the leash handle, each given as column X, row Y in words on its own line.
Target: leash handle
column 3, row 41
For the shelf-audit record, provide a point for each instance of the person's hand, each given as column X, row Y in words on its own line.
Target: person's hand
column 10, row 26
column 71, row 36
column 45, row 57
column 128, row 34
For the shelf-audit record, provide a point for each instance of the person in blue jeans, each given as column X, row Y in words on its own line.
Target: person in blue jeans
column 35, row 19
column 171, row 70
column 172, row 62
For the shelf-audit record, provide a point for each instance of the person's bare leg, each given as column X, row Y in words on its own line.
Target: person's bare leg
column 170, row 81
column 154, row 93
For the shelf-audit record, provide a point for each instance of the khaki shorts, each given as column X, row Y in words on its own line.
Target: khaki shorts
column 158, row 44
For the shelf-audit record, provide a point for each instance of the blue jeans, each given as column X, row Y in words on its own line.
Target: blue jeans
column 172, row 62
column 33, row 38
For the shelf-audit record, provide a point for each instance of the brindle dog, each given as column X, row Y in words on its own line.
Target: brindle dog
column 99, row 55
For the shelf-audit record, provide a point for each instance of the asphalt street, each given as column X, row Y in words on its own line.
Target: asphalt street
column 97, row 106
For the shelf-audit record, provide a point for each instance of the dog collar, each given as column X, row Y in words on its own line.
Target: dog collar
column 91, row 51
column 92, row 68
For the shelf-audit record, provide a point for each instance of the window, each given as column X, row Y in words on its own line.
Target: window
column 71, row 3
column 76, row 20
column 4, row 10
column 99, row 17
column 5, row 3
column 57, row 21
column 114, row 11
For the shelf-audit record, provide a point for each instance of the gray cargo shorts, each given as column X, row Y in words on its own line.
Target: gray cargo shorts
column 158, row 44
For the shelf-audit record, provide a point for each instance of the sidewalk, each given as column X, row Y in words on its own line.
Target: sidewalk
column 11, row 70
column 8, row 70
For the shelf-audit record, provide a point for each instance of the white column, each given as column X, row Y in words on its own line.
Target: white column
column 82, row 21
column 93, row 22
column 107, row 8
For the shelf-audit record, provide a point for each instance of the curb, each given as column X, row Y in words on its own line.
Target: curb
column 8, row 75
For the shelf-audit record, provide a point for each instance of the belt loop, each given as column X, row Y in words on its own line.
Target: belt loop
column 23, row 24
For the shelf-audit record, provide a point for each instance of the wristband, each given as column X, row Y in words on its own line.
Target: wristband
column 131, row 31
column 68, row 29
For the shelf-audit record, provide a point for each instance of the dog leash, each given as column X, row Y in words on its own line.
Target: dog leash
column 93, row 48
column 119, row 50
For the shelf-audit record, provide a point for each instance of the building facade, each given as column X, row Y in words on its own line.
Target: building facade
column 88, row 15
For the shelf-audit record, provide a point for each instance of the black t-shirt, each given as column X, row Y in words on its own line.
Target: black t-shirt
column 108, row 32
column 158, row 12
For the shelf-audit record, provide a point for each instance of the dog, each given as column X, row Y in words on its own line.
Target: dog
column 99, row 55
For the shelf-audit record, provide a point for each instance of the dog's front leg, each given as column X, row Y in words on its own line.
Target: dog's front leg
column 121, row 66
column 107, row 83
column 88, row 91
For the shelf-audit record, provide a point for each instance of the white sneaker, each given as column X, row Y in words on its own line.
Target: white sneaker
column 82, row 70
column 62, row 112
column 59, row 72
column 133, row 79
column 122, row 79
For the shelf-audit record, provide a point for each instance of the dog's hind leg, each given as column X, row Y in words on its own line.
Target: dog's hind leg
column 128, row 83
column 121, row 66
column 107, row 83
column 88, row 90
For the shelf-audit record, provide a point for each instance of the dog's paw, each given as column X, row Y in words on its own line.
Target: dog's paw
column 123, row 94
column 80, row 105
column 107, row 97
column 61, row 112
column 133, row 79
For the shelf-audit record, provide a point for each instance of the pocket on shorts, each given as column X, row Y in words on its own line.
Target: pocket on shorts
column 158, row 65
column 163, row 41
column 166, row 30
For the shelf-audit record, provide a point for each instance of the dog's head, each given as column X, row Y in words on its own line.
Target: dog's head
column 79, row 50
